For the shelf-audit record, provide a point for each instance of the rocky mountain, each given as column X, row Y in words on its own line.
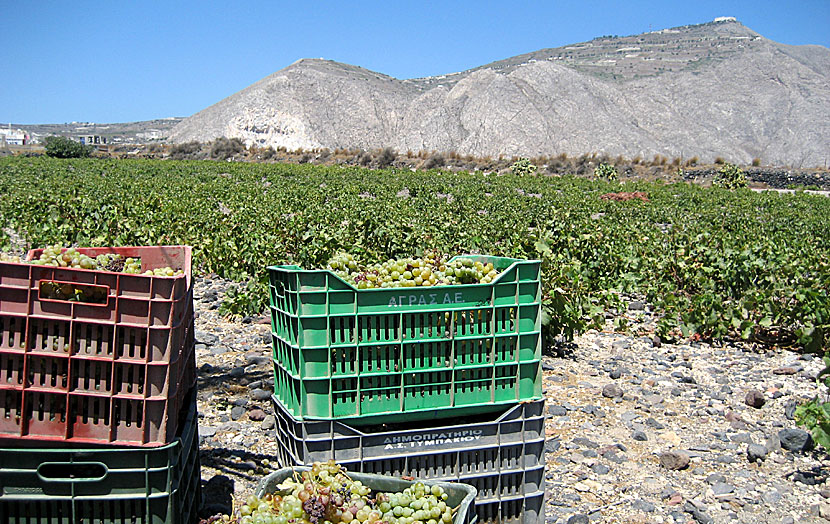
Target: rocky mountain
column 707, row 90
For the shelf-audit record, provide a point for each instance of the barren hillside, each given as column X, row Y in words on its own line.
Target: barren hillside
column 716, row 89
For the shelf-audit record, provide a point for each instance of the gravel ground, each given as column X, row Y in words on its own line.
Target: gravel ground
column 638, row 431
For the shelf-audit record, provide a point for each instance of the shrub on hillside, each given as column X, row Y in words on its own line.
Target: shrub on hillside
column 386, row 157
column 224, row 148
column 186, row 151
column 364, row 158
column 268, row 153
column 435, row 161
column 63, row 147
column 555, row 165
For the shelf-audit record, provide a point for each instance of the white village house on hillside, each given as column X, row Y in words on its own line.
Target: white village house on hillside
column 14, row 137
column 92, row 139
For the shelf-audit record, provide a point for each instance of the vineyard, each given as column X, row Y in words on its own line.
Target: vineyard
column 715, row 263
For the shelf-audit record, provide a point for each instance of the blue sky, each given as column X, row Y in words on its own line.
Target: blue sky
column 126, row 61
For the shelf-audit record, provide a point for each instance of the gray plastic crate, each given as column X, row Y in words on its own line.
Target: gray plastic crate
column 459, row 495
column 501, row 454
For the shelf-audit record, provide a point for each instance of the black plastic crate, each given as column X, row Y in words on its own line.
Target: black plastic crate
column 527, row 510
column 104, row 485
column 500, row 454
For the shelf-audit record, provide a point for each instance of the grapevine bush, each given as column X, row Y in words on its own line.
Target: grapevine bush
column 815, row 414
column 605, row 172
column 716, row 264
column 523, row 167
column 730, row 176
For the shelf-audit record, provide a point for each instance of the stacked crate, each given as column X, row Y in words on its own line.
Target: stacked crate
column 440, row 383
column 97, row 397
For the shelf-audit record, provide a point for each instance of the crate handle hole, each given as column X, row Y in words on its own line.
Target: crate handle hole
column 72, row 471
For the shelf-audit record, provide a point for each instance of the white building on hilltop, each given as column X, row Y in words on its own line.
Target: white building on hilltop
column 13, row 137
column 725, row 19
column 92, row 139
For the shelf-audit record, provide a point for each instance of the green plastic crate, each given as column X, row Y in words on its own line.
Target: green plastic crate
column 388, row 355
column 459, row 495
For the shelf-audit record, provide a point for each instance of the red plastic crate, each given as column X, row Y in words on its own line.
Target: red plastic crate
column 87, row 400
column 109, row 373
column 137, row 300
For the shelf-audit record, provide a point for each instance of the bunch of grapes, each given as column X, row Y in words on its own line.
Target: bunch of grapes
column 59, row 256
column 431, row 270
column 416, row 504
column 73, row 292
column 159, row 272
column 10, row 258
column 327, row 495
column 111, row 262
